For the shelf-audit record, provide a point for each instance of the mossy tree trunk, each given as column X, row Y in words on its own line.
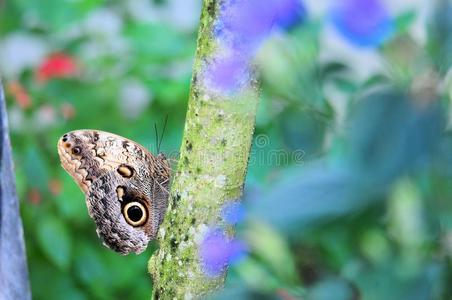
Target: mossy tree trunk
column 210, row 173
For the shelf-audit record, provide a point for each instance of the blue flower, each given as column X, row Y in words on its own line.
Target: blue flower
column 364, row 23
column 240, row 30
column 233, row 212
column 248, row 22
column 239, row 251
column 289, row 13
column 217, row 251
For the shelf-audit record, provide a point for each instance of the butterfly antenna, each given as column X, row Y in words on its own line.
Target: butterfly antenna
column 156, row 137
column 163, row 132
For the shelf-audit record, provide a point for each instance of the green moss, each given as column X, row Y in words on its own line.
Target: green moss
column 217, row 135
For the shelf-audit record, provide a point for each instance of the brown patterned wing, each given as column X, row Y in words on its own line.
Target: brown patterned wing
column 126, row 187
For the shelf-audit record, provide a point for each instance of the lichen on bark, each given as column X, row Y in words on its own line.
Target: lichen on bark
column 210, row 172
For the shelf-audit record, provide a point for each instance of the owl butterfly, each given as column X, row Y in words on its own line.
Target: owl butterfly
column 126, row 187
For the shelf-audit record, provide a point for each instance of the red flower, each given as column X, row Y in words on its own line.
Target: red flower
column 34, row 196
column 68, row 110
column 55, row 186
column 57, row 65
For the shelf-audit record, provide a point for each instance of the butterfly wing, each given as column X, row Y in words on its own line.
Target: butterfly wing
column 126, row 187
column 106, row 200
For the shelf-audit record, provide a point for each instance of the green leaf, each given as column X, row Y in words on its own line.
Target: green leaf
column 405, row 20
column 36, row 168
column 91, row 269
column 71, row 201
column 55, row 241
column 55, row 14
column 52, row 284
column 330, row 289
column 157, row 42
column 440, row 36
column 274, row 251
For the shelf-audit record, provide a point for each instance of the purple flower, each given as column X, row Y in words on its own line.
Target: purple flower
column 217, row 251
column 227, row 74
column 246, row 24
column 240, row 29
column 233, row 212
column 249, row 22
column 239, row 251
column 289, row 13
column 365, row 23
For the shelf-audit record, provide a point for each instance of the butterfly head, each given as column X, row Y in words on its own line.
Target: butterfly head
column 80, row 156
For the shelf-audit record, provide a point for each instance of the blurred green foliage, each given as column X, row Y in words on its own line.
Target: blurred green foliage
column 66, row 258
column 364, row 213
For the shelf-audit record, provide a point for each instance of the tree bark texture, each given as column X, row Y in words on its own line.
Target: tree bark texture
column 210, row 173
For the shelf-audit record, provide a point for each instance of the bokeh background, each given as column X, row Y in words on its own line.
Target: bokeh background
column 348, row 194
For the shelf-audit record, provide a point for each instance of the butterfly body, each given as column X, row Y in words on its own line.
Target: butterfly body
column 126, row 186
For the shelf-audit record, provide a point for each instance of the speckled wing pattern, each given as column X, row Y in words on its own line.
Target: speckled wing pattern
column 126, row 186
